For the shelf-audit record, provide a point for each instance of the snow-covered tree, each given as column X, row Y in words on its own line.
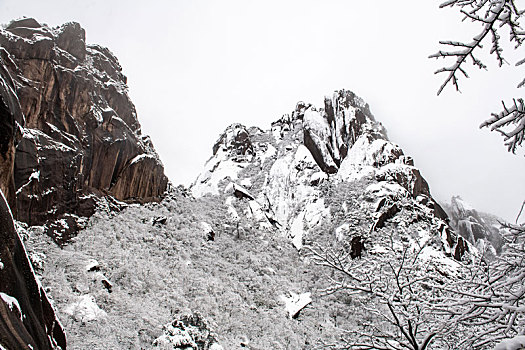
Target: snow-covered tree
column 490, row 304
column 494, row 17
column 419, row 303
column 394, row 286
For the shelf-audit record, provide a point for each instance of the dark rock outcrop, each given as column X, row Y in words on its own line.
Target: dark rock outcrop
column 236, row 141
column 10, row 119
column 81, row 137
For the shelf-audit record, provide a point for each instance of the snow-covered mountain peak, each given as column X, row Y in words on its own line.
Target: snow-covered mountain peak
column 313, row 163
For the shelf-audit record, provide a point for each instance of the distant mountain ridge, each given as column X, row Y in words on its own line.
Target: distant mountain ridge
column 480, row 229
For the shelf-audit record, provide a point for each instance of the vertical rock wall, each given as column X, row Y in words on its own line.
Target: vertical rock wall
column 81, row 138
column 27, row 319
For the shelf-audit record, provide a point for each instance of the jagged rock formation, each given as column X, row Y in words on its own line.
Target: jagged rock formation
column 27, row 319
column 81, row 138
column 480, row 229
column 286, row 175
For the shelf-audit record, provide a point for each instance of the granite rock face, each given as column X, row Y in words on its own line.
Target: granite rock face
column 10, row 119
column 480, row 229
column 81, row 138
column 27, row 319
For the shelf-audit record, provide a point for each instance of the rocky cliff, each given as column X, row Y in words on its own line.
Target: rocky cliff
column 480, row 229
column 318, row 163
column 27, row 319
column 80, row 138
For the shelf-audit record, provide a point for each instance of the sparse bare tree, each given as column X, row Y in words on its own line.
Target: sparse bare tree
column 494, row 17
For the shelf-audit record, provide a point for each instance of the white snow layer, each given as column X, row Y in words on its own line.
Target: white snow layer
column 206, row 227
column 383, row 189
column 516, row 343
column 12, row 303
column 296, row 302
column 364, row 155
column 85, row 309
column 297, row 231
column 91, row 265
column 140, row 157
column 215, row 171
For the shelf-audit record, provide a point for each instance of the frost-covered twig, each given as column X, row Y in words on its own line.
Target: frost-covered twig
column 513, row 117
column 492, row 16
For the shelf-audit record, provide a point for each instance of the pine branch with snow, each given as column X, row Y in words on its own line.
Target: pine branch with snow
column 510, row 123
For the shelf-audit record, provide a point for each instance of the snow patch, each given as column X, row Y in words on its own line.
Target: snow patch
column 437, row 257
column 516, row 343
column 296, row 302
column 384, row 189
column 92, row 265
column 35, row 175
column 247, row 182
column 342, row 231
column 318, row 178
column 315, row 211
column 12, row 303
column 297, row 231
column 85, row 309
column 313, row 120
column 140, row 157
column 215, row 171
column 206, row 227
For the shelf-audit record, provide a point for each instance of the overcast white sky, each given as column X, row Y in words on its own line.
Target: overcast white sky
column 194, row 67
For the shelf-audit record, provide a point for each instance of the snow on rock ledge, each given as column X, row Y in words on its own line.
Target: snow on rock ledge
column 295, row 303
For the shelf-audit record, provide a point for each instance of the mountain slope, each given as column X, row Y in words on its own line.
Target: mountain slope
column 238, row 253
